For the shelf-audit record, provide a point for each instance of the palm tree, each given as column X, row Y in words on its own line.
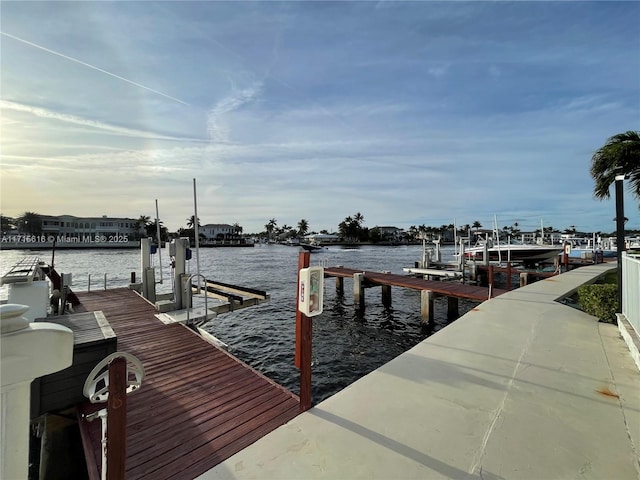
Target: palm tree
column 303, row 227
column 143, row 221
column 270, row 227
column 191, row 222
column 7, row 223
column 30, row 222
column 620, row 155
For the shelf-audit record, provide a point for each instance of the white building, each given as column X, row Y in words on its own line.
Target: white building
column 71, row 226
column 220, row 231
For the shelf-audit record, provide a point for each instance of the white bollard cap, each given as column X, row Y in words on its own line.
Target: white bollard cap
column 11, row 319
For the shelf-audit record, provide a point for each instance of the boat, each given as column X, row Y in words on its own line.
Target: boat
column 598, row 247
column 309, row 247
column 511, row 251
column 499, row 250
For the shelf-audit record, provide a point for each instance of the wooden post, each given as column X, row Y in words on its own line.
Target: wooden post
column 304, row 329
column 340, row 286
column 452, row 308
column 303, row 262
column 358, row 291
column 473, row 272
column 490, row 275
column 386, row 295
column 426, row 306
column 386, row 292
column 117, row 419
column 508, row 276
column 524, row 279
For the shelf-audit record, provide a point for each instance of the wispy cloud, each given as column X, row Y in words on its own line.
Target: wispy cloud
column 216, row 125
column 88, row 65
column 93, row 124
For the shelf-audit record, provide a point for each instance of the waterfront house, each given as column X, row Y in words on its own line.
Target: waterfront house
column 69, row 226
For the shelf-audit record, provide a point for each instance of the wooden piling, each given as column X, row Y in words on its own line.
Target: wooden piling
column 524, row 279
column 358, row 291
column 452, row 308
column 473, row 271
column 426, row 306
column 340, row 286
column 386, row 295
column 304, row 329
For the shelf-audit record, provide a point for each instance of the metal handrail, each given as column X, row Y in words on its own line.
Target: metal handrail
column 631, row 285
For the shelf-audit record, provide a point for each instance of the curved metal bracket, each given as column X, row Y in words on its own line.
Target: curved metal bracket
column 96, row 386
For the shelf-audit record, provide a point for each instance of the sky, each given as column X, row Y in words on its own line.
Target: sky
column 410, row 113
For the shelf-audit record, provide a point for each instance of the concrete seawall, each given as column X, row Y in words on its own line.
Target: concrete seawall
column 522, row 387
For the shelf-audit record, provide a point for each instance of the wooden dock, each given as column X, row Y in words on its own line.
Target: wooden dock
column 197, row 406
column 428, row 288
column 454, row 289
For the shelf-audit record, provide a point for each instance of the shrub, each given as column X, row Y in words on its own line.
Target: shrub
column 599, row 300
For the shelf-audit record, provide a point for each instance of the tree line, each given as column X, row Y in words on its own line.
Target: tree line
column 620, row 155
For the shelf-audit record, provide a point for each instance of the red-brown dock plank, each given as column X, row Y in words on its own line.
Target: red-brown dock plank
column 453, row 289
column 197, row 406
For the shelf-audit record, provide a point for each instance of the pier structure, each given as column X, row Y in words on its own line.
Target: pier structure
column 522, row 387
column 429, row 289
column 197, row 404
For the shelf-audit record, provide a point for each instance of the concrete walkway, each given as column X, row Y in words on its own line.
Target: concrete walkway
column 522, row 387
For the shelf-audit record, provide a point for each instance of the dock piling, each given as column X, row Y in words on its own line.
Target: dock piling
column 303, row 352
column 426, row 306
column 386, row 293
column 358, row 291
column 452, row 308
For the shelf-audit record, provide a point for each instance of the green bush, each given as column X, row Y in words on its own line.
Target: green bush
column 599, row 300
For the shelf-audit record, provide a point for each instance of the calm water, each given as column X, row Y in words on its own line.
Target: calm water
column 346, row 346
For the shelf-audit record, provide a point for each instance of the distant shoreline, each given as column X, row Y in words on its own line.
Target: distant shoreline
column 68, row 245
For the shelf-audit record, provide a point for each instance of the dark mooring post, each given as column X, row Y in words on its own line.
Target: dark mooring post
column 452, row 308
column 619, row 231
column 339, row 286
column 304, row 329
column 358, row 291
column 386, row 293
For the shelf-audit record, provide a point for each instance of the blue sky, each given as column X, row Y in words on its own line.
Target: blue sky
column 408, row 112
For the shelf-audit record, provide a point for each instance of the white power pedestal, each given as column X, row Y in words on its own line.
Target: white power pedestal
column 27, row 351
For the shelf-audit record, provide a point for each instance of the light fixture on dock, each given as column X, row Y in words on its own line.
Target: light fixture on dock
column 619, row 179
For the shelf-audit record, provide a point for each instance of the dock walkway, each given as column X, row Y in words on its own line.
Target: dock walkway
column 453, row 289
column 197, row 405
column 522, row 387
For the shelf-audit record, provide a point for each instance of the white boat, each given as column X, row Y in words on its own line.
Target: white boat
column 511, row 251
column 311, row 247
column 585, row 248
